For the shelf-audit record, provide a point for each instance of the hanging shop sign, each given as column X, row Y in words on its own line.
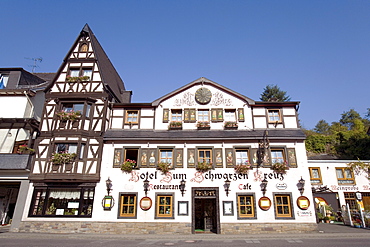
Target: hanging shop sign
column 145, row 203
column 303, row 202
column 281, row 186
column 264, row 203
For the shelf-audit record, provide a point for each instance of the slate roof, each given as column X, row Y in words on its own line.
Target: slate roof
column 14, row 162
column 194, row 135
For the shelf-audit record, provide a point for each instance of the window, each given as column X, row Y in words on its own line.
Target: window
column 283, row 206
column 277, row 156
column 164, row 208
column 128, row 203
column 87, row 72
column 132, row 117
column 3, row 81
column 344, row 175
column 74, row 72
column 246, row 206
column 241, row 156
column 205, row 156
column 165, row 156
column 176, row 115
column 315, row 175
column 274, row 116
column 76, row 107
column 131, row 154
column 70, row 148
column 230, row 115
column 62, row 202
column 203, row 115
column 83, row 48
column 350, row 199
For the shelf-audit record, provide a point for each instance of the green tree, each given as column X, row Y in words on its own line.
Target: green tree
column 274, row 93
column 349, row 117
column 322, row 127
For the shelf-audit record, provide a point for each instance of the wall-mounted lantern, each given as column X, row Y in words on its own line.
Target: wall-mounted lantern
column 109, row 185
column 182, row 187
column 300, row 185
column 263, row 186
column 108, row 201
column 227, row 186
column 146, row 186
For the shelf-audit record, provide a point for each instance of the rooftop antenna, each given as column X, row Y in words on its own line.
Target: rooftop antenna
column 35, row 60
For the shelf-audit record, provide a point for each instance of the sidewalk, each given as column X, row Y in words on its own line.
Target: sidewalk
column 323, row 231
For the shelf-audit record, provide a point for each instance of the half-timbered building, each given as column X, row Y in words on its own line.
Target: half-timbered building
column 201, row 159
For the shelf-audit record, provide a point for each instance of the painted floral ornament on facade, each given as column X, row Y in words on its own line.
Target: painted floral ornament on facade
column 242, row 168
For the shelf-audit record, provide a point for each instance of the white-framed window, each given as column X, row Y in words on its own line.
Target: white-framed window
column 274, row 116
column 230, row 115
column 176, row 115
column 203, row 115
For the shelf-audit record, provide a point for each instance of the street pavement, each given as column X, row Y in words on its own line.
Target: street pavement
column 323, row 231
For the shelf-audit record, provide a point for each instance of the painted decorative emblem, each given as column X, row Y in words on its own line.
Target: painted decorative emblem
column 203, row 95
column 281, row 186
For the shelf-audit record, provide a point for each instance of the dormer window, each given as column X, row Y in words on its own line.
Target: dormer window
column 274, row 116
column 3, row 81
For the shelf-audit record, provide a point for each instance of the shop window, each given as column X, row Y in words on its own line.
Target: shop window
column 132, row 117
column 176, row 115
column 283, row 208
column 230, row 115
column 205, row 156
column 246, row 206
column 164, row 207
column 350, row 199
column 277, row 156
column 166, row 156
column 274, row 116
column 203, row 115
column 62, row 202
column 241, row 156
column 344, row 176
column 128, row 205
column 315, row 175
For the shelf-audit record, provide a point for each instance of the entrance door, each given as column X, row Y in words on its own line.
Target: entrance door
column 205, row 215
column 205, row 211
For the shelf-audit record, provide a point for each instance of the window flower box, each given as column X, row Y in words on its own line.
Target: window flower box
column 204, row 167
column 128, row 165
column 203, row 125
column 163, row 167
column 62, row 158
column 175, row 125
column 231, row 125
column 69, row 115
column 280, row 167
column 77, row 78
column 242, row 168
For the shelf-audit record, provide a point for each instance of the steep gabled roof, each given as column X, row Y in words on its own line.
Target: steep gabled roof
column 112, row 81
column 203, row 81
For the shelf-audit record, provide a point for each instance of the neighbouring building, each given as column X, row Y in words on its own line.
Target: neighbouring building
column 235, row 165
column 22, row 99
column 335, row 184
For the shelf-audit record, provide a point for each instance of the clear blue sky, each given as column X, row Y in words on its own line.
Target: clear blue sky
column 317, row 51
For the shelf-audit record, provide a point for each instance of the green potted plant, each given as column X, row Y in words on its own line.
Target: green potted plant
column 77, row 78
column 242, row 168
column 24, row 149
column 204, row 166
column 63, row 115
column 231, row 125
column 62, row 158
column 203, row 125
column 280, row 167
column 175, row 125
column 163, row 167
column 128, row 165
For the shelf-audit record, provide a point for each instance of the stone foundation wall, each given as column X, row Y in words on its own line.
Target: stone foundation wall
column 157, row 227
column 259, row 228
